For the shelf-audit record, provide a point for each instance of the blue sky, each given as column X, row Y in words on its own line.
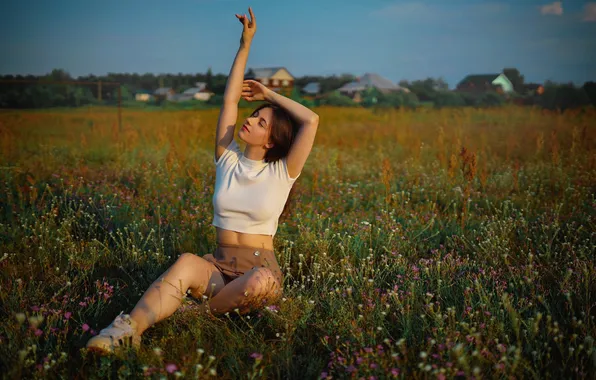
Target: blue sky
column 396, row 39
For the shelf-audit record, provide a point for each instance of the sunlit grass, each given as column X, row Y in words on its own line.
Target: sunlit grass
column 418, row 243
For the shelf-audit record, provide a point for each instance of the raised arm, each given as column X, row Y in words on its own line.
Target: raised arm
column 309, row 122
column 226, row 124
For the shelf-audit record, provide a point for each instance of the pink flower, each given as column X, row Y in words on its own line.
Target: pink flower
column 85, row 327
column 394, row 371
column 323, row 375
column 67, row 314
column 171, row 368
column 256, row 356
column 38, row 332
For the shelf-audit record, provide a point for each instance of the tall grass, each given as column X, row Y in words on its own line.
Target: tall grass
column 429, row 243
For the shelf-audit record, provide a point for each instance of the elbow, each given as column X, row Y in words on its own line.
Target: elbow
column 314, row 120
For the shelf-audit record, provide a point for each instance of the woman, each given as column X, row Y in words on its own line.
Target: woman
column 251, row 189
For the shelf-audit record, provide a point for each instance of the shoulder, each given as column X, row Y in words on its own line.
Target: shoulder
column 279, row 169
column 232, row 153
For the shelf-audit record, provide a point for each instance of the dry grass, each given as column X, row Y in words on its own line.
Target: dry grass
column 418, row 244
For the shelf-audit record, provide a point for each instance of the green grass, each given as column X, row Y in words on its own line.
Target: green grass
column 387, row 274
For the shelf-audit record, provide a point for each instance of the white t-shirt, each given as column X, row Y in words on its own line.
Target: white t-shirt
column 249, row 195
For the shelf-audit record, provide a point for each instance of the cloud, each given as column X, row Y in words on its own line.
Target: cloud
column 590, row 12
column 555, row 8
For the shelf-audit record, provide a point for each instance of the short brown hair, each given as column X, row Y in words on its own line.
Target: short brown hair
column 283, row 132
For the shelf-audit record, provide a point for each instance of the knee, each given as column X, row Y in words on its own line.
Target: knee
column 264, row 282
column 185, row 258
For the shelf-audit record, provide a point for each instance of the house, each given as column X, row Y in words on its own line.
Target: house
column 143, row 96
column 164, row 93
column 369, row 80
column 199, row 92
column 485, row 82
column 534, row 89
column 312, row 90
column 277, row 79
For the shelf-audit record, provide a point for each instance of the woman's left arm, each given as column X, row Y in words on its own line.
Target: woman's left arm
column 309, row 122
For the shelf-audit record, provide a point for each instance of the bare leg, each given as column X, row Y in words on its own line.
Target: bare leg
column 164, row 296
column 253, row 290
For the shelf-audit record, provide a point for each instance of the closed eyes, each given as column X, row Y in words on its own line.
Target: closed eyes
column 264, row 123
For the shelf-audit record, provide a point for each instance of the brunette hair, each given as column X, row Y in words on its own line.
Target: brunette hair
column 283, row 132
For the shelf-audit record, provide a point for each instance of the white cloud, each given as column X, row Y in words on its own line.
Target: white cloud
column 590, row 12
column 555, row 8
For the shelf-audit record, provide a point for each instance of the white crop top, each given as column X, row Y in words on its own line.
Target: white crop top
column 249, row 195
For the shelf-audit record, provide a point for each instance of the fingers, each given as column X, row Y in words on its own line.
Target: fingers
column 253, row 19
column 243, row 19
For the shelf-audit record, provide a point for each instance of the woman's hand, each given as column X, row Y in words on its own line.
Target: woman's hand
column 253, row 90
column 249, row 27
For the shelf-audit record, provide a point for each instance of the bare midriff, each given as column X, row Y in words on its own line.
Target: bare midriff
column 243, row 239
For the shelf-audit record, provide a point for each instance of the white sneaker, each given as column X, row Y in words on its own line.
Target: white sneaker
column 120, row 333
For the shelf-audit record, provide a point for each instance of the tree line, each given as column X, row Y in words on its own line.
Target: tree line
column 428, row 92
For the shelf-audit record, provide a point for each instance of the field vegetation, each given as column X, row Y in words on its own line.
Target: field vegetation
column 417, row 244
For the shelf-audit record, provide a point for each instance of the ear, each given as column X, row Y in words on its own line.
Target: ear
column 269, row 145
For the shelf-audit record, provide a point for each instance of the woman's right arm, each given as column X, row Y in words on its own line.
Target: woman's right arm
column 226, row 124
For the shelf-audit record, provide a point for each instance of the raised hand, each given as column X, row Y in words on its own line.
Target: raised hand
column 249, row 26
column 253, row 90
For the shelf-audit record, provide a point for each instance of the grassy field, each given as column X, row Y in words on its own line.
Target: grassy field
column 418, row 244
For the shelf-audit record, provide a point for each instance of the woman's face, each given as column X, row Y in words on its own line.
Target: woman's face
column 257, row 127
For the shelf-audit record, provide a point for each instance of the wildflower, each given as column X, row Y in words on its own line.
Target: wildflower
column 157, row 351
column 257, row 356
column 323, row 375
column 171, row 368
column 20, row 317
column 85, row 327
column 67, row 315
column 38, row 332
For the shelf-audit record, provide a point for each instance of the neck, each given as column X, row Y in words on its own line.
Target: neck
column 255, row 153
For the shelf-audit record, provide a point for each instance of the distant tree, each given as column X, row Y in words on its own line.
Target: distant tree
column 449, row 99
column 563, row 97
column 491, row 99
column 590, row 89
column 334, row 98
column 209, row 79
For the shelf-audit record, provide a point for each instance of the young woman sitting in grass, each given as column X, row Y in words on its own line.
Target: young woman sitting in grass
column 251, row 189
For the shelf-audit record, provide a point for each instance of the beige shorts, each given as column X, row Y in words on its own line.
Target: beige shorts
column 235, row 260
